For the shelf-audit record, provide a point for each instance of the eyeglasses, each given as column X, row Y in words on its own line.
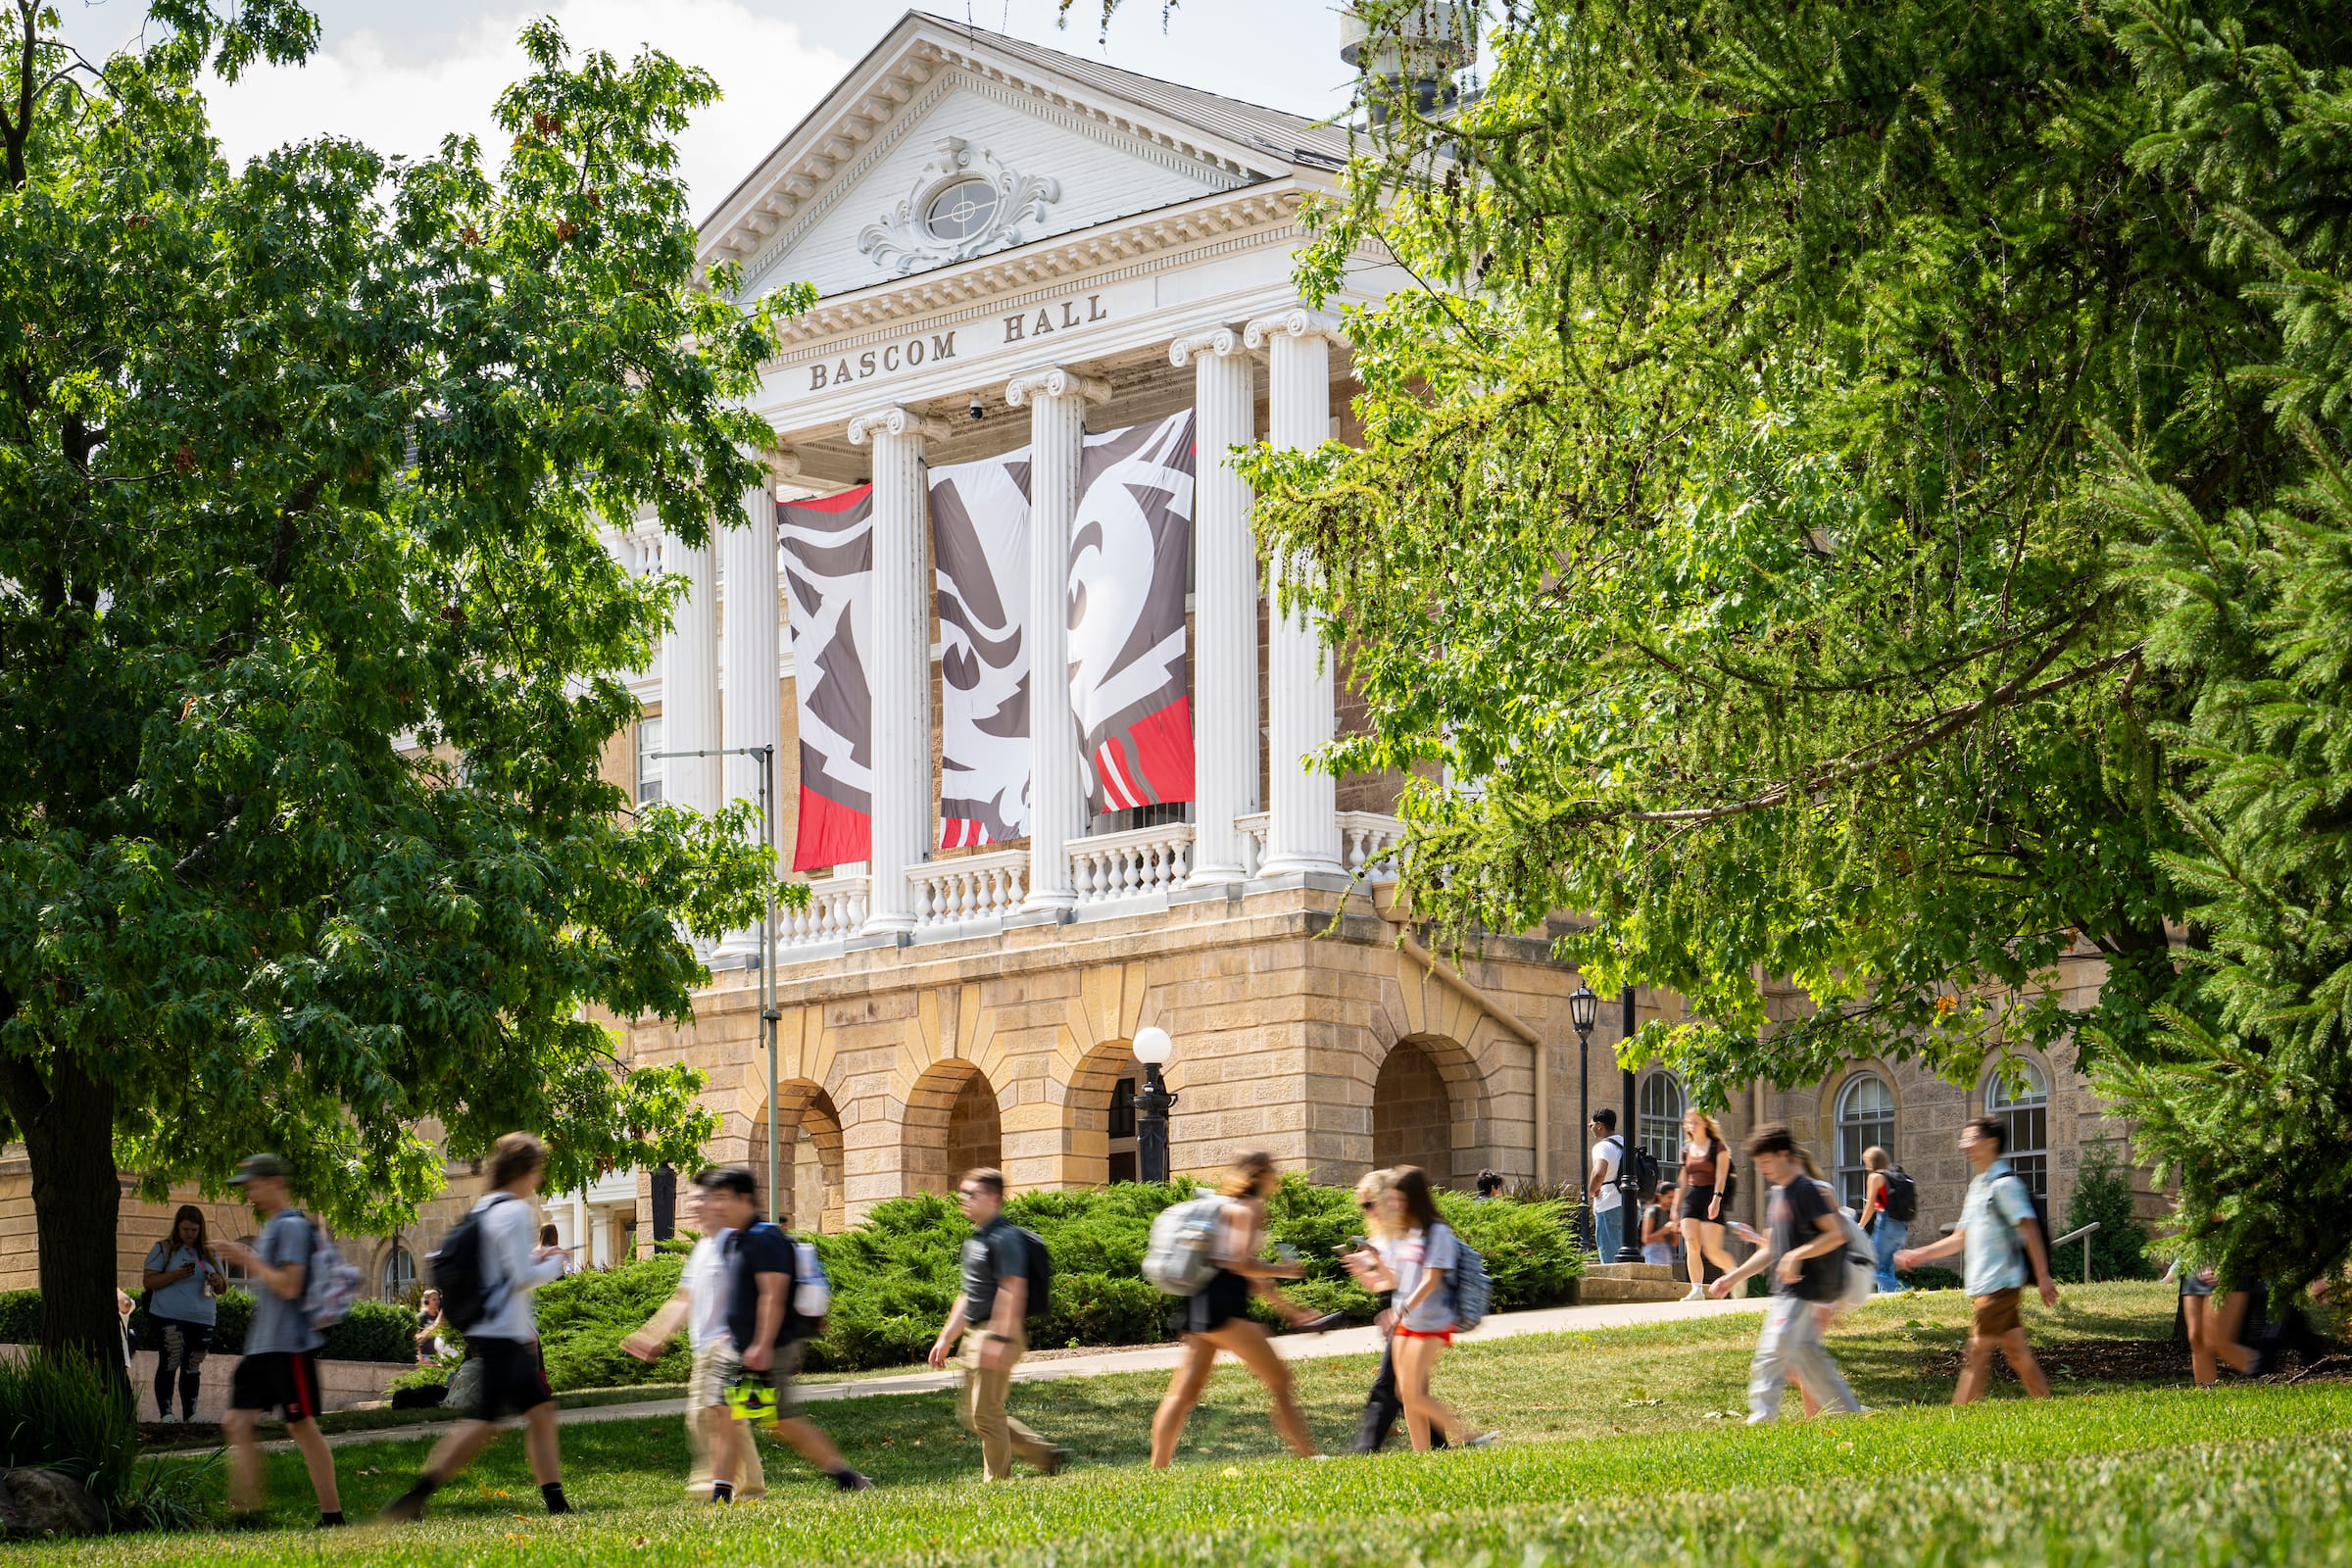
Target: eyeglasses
column 967, row 1192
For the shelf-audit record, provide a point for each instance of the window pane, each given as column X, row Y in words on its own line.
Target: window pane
column 1661, row 1107
column 648, row 760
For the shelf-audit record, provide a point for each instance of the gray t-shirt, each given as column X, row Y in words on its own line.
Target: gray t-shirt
column 993, row 1251
column 182, row 1301
column 280, row 1325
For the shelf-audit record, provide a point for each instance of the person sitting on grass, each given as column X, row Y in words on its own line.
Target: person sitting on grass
column 1218, row 1318
column 2003, row 1242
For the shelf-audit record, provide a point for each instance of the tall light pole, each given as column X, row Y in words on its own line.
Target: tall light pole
column 1584, row 1011
column 1629, row 1249
column 769, row 1016
column 1153, row 1047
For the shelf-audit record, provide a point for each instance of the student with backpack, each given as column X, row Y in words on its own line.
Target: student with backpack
column 1806, row 1257
column 1706, row 1193
column 1889, row 1204
column 183, row 1279
column 2002, row 1238
column 487, row 1269
column 700, row 1303
column 1602, row 1195
column 1006, row 1281
column 1216, row 1309
column 776, row 1300
column 1416, row 1257
column 279, row 1369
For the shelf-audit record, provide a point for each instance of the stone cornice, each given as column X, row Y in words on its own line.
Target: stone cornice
column 1054, row 381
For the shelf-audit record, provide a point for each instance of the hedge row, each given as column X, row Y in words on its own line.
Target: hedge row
column 375, row 1331
column 896, row 1276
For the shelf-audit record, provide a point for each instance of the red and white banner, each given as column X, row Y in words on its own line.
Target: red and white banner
column 829, row 579
column 1130, row 544
column 980, row 550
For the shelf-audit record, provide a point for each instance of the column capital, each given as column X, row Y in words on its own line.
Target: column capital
column 783, row 466
column 893, row 419
column 1296, row 322
column 1223, row 340
column 1054, row 381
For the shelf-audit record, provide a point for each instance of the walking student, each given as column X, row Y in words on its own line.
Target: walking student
column 765, row 1338
column 506, row 1341
column 2003, row 1242
column 1217, row 1318
column 987, row 1331
column 1805, row 1253
column 1706, row 1178
column 1887, row 1233
column 1601, row 1192
column 1414, row 1257
column 182, row 1278
column 279, row 1369
column 699, row 1302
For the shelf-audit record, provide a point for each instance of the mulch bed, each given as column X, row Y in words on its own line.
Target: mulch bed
column 2140, row 1361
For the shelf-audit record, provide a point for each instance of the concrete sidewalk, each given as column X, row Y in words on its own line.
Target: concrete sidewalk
column 1150, row 1358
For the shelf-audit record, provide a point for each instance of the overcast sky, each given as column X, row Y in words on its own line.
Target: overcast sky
column 400, row 74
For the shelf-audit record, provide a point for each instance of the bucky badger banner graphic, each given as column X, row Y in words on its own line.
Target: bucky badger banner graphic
column 980, row 549
column 1129, row 545
column 829, row 576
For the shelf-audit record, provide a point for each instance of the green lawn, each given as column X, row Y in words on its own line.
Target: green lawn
column 1621, row 1450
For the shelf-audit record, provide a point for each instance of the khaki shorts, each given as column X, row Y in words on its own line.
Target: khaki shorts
column 1996, row 1314
column 727, row 1367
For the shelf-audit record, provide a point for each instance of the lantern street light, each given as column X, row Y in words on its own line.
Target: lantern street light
column 1584, row 1011
column 1153, row 1103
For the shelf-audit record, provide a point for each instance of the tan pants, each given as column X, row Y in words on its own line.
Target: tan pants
column 981, row 1409
column 703, row 1390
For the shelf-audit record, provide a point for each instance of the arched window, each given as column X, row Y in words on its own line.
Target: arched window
column 398, row 1277
column 1662, row 1129
column 1865, row 1116
column 2020, row 1096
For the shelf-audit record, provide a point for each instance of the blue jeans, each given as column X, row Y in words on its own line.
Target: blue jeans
column 1888, row 1237
column 1608, row 1232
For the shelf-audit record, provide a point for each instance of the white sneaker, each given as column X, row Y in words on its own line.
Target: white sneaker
column 1698, row 1292
column 1483, row 1440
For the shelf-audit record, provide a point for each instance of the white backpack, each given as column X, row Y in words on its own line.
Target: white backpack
column 1861, row 1268
column 1182, row 1254
column 330, row 1285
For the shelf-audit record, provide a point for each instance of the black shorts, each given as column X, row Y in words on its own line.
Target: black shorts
column 1693, row 1204
column 514, row 1378
column 1223, row 1299
column 277, row 1380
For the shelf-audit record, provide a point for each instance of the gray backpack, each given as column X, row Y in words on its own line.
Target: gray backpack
column 1182, row 1254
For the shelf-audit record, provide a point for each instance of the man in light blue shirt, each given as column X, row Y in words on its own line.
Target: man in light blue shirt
column 2003, row 1242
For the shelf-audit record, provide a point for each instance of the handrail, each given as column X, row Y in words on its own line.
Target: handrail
column 2083, row 1235
column 2076, row 1236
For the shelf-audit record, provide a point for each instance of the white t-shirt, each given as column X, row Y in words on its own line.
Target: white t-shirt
column 707, row 1294
column 1605, row 1155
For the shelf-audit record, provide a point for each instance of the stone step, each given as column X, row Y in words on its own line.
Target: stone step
column 1596, row 1289
column 1630, row 1271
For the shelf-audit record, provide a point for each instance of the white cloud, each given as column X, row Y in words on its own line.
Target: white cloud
column 396, row 103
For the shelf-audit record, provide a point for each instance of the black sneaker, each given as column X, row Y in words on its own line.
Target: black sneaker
column 1058, row 1460
column 256, row 1520
column 331, row 1521
column 852, row 1481
column 407, row 1507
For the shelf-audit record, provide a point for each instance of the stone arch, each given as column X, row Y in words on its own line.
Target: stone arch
column 1091, row 1119
column 1428, row 1110
column 952, row 1123
column 809, row 1125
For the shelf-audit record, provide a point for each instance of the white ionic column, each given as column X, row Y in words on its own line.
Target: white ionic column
column 690, row 682
column 1224, row 603
column 1303, row 828
column 751, row 704
column 899, row 664
column 1058, row 398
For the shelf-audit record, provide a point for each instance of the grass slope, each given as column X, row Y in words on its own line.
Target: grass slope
column 2108, row 1475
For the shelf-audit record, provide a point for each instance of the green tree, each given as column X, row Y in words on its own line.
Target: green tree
column 309, row 650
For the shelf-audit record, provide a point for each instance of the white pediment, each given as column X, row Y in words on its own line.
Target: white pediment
column 939, row 149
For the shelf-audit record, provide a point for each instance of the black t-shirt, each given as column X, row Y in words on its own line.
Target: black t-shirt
column 756, row 1250
column 993, row 1251
column 1794, row 1213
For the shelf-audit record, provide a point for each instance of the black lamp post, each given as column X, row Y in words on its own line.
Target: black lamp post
column 1584, row 1011
column 1628, row 1250
column 1152, row 1105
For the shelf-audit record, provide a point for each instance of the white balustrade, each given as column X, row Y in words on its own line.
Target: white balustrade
column 836, row 910
column 1253, row 831
column 973, row 887
column 1141, row 863
column 1368, row 845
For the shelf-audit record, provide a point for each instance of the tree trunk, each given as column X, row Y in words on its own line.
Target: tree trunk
column 68, row 1123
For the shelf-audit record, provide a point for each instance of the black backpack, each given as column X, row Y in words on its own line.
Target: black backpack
column 1641, row 1165
column 456, row 1271
column 1902, row 1195
column 1039, row 1271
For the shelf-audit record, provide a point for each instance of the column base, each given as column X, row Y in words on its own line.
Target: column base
column 1214, row 877
column 891, row 924
column 1052, row 900
column 1300, row 865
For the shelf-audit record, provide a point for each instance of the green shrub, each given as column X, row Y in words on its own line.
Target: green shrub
column 70, row 1413
column 583, row 1318
column 20, row 1317
column 2102, row 1196
column 375, row 1331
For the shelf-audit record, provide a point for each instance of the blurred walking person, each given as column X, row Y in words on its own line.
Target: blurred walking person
column 1415, row 1253
column 1805, row 1251
column 700, row 1303
column 1217, row 1318
column 279, row 1369
column 182, row 1281
column 2005, row 1252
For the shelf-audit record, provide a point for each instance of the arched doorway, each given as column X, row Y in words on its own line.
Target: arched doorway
column 810, row 1156
column 1413, row 1110
column 1098, row 1113
column 951, row 1126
